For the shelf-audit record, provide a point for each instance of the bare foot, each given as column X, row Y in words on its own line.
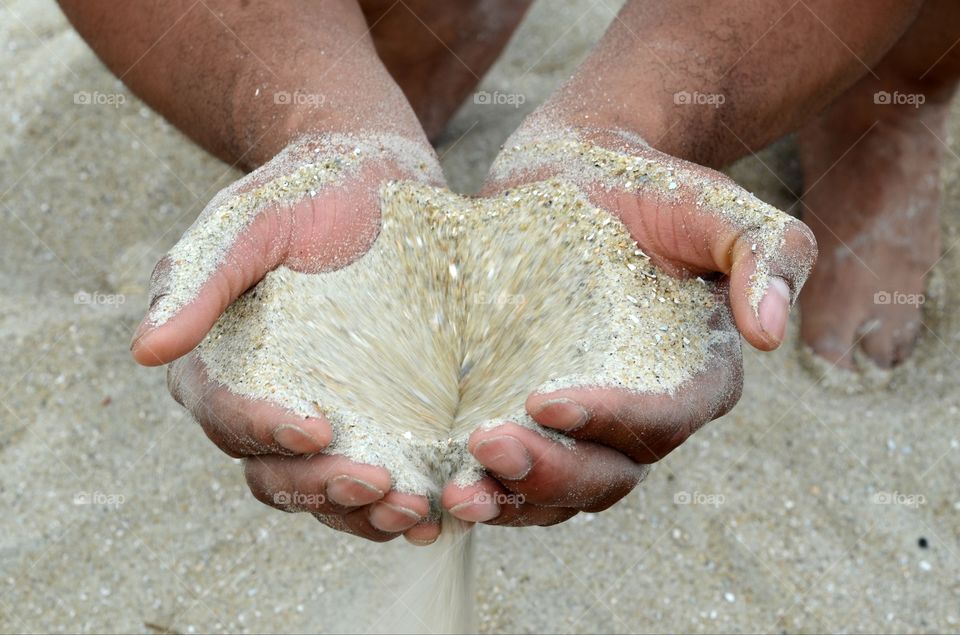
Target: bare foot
column 438, row 51
column 872, row 196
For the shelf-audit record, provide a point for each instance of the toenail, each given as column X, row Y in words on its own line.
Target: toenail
column 562, row 414
column 352, row 492
column 295, row 439
column 505, row 456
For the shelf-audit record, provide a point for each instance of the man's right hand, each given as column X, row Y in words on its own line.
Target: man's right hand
column 218, row 259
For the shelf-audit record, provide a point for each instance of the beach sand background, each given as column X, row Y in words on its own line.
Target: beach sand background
column 803, row 510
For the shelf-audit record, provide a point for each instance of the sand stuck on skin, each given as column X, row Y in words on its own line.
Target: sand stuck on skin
column 458, row 312
column 802, row 510
column 460, row 309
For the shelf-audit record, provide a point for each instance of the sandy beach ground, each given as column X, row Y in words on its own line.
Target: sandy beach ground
column 803, row 510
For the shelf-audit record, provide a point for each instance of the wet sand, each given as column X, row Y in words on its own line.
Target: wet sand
column 802, row 510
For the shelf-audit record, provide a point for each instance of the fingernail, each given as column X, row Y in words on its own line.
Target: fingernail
column 562, row 414
column 475, row 510
column 141, row 329
column 392, row 518
column 295, row 439
column 420, row 542
column 504, row 456
column 352, row 492
column 145, row 322
column 775, row 307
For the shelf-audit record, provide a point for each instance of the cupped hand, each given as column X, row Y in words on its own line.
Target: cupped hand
column 691, row 221
column 314, row 207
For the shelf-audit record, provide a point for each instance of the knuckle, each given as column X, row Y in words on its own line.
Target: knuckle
column 174, row 384
column 160, row 279
column 562, row 517
column 602, row 504
column 616, row 491
column 333, row 521
column 728, row 400
column 359, row 525
column 161, row 269
column 267, row 485
column 254, row 475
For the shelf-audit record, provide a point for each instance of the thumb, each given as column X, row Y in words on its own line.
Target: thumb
column 709, row 224
column 215, row 262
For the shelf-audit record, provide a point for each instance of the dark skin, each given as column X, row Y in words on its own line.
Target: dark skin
column 212, row 73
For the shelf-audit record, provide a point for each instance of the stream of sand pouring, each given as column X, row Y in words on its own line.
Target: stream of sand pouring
column 440, row 596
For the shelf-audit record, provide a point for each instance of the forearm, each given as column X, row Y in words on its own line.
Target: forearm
column 244, row 79
column 710, row 81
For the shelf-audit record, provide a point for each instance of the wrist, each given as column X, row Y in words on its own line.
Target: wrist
column 649, row 115
column 271, row 113
column 609, row 95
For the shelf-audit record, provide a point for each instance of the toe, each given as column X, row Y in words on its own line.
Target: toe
column 893, row 338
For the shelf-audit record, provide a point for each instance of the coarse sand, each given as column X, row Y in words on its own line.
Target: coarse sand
column 805, row 509
column 452, row 319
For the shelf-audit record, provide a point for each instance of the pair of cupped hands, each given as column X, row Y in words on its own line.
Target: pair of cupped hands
column 531, row 479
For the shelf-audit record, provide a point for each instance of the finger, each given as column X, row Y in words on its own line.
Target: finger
column 358, row 524
column 685, row 216
column 709, row 224
column 397, row 512
column 644, row 427
column 241, row 426
column 423, row 533
column 585, row 476
column 516, row 512
column 216, row 261
column 475, row 503
column 527, row 515
column 390, row 516
column 355, row 524
column 512, row 510
column 319, row 484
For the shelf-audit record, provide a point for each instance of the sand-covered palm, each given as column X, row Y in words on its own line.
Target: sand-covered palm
column 313, row 208
column 692, row 222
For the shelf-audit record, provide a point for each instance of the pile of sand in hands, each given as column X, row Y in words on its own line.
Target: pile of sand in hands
column 463, row 307
column 460, row 309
